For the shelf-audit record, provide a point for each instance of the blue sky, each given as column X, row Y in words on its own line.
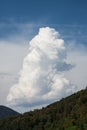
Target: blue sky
column 68, row 16
column 56, row 11
column 20, row 21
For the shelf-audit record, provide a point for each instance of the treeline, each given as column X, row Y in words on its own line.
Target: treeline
column 68, row 114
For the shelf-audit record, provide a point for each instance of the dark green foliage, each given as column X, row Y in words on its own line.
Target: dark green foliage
column 68, row 114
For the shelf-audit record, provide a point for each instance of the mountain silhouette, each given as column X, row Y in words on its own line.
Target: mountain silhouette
column 7, row 112
column 69, row 113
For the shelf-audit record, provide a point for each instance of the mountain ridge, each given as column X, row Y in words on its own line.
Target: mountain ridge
column 69, row 113
column 6, row 112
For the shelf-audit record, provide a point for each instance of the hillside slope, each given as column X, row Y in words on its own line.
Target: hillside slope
column 6, row 112
column 68, row 114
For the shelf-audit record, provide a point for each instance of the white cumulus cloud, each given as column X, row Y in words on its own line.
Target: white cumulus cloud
column 42, row 80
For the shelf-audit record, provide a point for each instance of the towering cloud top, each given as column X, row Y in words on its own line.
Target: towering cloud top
column 41, row 80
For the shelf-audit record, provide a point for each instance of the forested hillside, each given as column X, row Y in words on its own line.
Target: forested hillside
column 68, row 114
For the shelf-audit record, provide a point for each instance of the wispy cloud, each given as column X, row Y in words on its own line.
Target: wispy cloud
column 77, row 54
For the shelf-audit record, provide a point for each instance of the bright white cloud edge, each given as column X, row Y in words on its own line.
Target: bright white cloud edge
column 8, row 59
column 42, row 79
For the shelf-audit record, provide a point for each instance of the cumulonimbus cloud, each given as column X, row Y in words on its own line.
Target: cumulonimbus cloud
column 41, row 79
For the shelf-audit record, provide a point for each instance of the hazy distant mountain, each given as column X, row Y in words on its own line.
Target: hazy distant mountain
column 67, row 114
column 6, row 112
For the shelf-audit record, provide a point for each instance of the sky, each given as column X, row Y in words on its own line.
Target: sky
column 20, row 22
